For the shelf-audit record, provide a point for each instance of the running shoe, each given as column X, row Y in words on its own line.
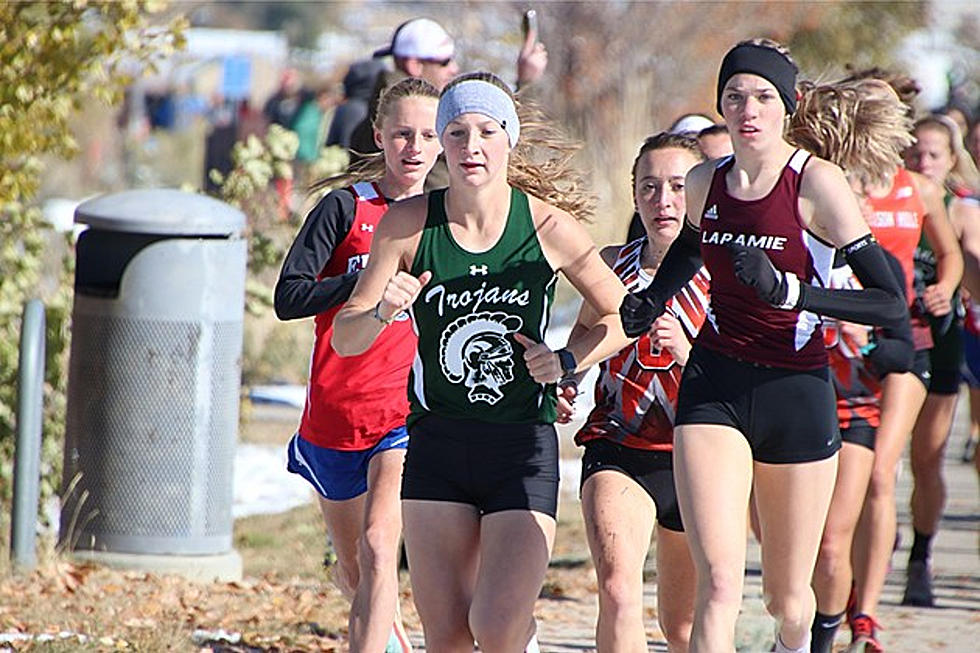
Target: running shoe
column 918, row 585
column 969, row 449
column 532, row 645
column 864, row 635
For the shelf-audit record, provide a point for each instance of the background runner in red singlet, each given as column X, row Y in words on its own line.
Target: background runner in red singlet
column 862, row 126
column 351, row 441
column 899, row 209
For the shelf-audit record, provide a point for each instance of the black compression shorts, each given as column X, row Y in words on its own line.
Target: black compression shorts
column 652, row 470
column 861, row 434
column 787, row 416
column 921, row 367
column 946, row 359
column 493, row 467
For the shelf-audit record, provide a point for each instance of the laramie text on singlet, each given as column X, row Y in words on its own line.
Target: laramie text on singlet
column 749, row 240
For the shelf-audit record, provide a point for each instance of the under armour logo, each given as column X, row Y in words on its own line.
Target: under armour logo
column 712, row 213
column 367, row 227
column 478, row 269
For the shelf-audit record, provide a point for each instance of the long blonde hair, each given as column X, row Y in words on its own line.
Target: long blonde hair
column 964, row 176
column 372, row 166
column 859, row 124
column 541, row 162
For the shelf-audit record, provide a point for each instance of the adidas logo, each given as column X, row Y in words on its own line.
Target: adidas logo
column 712, row 213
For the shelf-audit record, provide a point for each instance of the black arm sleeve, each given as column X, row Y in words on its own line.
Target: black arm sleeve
column 880, row 303
column 681, row 262
column 298, row 292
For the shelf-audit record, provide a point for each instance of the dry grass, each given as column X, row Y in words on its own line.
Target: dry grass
column 285, row 603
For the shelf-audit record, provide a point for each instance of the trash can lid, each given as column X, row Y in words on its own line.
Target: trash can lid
column 161, row 211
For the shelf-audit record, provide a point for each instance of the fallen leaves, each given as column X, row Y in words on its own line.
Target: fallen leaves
column 105, row 609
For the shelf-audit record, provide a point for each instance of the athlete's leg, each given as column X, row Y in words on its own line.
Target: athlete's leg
column 375, row 602
column 345, row 521
column 619, row 518
column 676, row 588
column 713, row 474
column 975, row 425
column 792, row 500
column 442, row 540
column 902, row 396
column 928, row 448
column 515, row 546
column 833, row 574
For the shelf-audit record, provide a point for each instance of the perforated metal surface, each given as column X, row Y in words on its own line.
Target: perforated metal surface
column 151, row 423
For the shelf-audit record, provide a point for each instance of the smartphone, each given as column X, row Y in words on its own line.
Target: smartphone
column 529, row 23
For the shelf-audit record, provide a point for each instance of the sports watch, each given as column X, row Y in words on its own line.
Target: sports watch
column 567, row 361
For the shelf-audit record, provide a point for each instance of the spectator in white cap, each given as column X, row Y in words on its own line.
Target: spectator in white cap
column 421, row 47
column 691, row 123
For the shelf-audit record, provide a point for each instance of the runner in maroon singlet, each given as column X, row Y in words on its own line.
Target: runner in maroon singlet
column 756, row 409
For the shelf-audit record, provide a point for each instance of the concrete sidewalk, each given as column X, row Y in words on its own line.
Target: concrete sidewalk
column 954, row 625
column 566, row 624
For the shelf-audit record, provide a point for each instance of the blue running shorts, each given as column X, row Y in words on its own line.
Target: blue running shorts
column 339, row 475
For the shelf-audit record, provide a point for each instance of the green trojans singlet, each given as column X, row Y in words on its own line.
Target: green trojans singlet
column 468, row 365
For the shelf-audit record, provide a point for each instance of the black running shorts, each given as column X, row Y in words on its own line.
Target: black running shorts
column 922, row 368
column 946, row 360
column 493, row 467
column 787, row 416
column 860, row 434
column 652, row 470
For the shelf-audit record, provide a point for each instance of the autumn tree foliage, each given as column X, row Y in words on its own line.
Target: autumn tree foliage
column 53, row 57
column 621, row 71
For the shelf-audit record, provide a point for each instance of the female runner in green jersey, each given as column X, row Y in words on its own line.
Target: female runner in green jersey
column 476, row 265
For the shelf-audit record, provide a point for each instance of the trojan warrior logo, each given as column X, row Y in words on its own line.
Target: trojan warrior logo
column 474, row 350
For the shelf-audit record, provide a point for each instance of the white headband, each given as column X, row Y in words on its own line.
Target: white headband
column 477, row 96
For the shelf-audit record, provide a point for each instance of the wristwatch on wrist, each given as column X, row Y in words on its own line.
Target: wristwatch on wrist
column 377, row 315
column 567, row 361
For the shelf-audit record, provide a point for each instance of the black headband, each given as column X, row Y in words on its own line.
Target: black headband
column 764, row 62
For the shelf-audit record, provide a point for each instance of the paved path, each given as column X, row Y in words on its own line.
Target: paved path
column 952, row 626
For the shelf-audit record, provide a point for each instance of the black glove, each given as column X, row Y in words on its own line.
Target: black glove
column 754, row 269
column 891, row 355
column 638, row 312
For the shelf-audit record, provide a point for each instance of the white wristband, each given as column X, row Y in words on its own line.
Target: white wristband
column 792, row 291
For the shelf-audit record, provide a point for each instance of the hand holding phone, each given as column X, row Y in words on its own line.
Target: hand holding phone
column 533, row 58
column 529, row 25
